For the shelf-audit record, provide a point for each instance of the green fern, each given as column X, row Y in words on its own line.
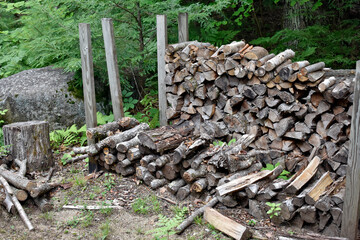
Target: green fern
column 166, row 226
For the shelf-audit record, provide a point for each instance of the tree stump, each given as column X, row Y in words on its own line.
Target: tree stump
column 31, row 141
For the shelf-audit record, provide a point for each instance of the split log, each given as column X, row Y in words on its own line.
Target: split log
column 226, row 225
column 320, row 186
column 17, row 204
column 117, row 138
column 242, row 182
column 305, row 176
column 166, row 137
column 198, row 212
column 308, row 214
column 256, row 53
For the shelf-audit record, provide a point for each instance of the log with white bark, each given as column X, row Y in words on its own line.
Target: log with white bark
column 124, row 146
column 17, row 204
column 117, row 138
column 278, row 59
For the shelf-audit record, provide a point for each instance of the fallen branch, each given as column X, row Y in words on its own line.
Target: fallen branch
column 198, row 212
column 76, row 159
column 17, row 204
column 82, row 207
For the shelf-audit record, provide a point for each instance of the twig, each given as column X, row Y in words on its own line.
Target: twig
column 166, row 199
column 50, row 174
column 81, row 207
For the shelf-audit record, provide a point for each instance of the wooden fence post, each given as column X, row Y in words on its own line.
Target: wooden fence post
column 88, row 84
column 161, row 32
column 350, row 218
column 183, row 27
column 112, row 67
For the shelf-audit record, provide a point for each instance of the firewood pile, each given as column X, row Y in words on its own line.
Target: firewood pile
column 292, row 115
column 16, row 187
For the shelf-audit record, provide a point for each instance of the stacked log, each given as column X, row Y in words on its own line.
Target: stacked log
column 293, row 114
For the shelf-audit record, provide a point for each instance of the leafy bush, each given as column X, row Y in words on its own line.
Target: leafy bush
column 338, row 48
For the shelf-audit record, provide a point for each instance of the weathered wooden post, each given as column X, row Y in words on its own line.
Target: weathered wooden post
column 162, row 41
column 112, row 67
column 350, row 218
column 88, row 84
column 183, row 27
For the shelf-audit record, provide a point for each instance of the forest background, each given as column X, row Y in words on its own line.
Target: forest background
column 39, row 33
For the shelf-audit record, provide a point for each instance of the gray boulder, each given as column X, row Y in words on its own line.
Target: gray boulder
column 41, row 94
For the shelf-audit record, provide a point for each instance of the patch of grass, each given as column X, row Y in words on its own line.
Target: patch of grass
column 105, row 211
column 92, row 196
column 104, row 231
column 214, row 232
column 109, row 181
column 97, row 189
column 79, row 181
column 198, row 220
column 147, row 204
column 48, row 216
column 85, row 219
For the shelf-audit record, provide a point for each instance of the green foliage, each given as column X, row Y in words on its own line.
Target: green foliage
column 104, row 231
column 283, row 175
column 72, row 135
column 251, row 222
column 166, row 226
column 66, row 157
column 150, row 113
column 274, row 210
column 2, row 113
column 128, row 102
column 145, row 205
column 338, row 48
column 221, row 143
column 85, row 219
column 103, row 119
column 109, row 181
column 198, row 220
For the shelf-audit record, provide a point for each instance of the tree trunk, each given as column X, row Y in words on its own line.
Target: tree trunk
column 30, row 141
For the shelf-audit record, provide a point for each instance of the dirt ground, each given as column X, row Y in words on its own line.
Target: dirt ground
column 139, row 214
